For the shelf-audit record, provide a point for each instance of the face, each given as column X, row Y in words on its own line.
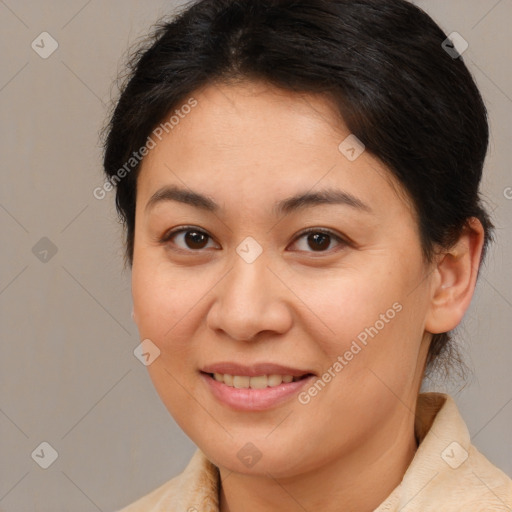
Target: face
column 266, row 256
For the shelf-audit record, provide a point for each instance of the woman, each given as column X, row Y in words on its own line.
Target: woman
column 299, row 184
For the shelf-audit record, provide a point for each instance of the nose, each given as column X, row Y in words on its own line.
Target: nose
column 250, row 300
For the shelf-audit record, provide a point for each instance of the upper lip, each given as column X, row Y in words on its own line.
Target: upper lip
column 231, row 368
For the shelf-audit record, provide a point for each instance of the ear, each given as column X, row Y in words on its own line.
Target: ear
column 454, row 279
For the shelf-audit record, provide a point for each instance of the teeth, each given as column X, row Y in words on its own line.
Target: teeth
column 258, row 382
column 241, row 381
column 274, row 380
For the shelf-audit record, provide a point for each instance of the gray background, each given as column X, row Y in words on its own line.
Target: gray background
column 68, row 375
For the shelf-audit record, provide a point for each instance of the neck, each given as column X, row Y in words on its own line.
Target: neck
column 358, row 481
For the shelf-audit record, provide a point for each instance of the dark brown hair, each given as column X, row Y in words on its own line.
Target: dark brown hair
column 414, row 106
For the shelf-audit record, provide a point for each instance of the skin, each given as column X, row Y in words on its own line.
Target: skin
column 246, row 146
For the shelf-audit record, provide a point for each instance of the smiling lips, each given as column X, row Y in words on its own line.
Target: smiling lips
column 254, row 370
column 254, row 388
column 258, row 382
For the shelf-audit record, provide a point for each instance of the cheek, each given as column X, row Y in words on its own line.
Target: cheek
column 167, row 308
column 160, row 299
column 169, row 304
column 370, row 318
column 349, row 303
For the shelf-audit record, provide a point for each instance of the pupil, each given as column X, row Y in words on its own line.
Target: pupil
column 197, row 240
column 193, row 238
column 320, row 240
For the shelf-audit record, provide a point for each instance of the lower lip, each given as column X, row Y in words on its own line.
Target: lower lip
column 254, row 399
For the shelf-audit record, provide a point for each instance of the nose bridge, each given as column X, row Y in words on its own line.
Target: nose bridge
column 247, row 281
column 247, row 301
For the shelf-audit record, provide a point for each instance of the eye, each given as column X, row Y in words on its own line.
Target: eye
column 192, row 238
column 319, row 240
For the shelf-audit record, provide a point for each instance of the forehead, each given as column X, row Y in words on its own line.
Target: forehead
column 254, row 140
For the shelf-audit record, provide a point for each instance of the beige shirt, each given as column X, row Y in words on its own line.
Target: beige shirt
column 447, row 473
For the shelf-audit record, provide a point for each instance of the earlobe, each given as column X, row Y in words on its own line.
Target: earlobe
column 455, row 279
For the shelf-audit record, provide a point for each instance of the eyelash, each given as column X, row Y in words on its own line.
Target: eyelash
column 183, row 229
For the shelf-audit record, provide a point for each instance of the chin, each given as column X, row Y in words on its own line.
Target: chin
column 259, row 457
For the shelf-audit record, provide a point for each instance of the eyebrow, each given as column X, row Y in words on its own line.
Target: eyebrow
column 283, row 207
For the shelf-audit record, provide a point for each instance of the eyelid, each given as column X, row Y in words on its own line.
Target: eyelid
column 339, row 238
column 333, row 234
column 183, row 229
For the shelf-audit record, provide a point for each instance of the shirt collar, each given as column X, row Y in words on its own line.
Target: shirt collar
column 444, row 445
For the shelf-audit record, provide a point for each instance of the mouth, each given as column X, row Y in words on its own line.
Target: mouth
column 255, row 388
column 255, row 382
